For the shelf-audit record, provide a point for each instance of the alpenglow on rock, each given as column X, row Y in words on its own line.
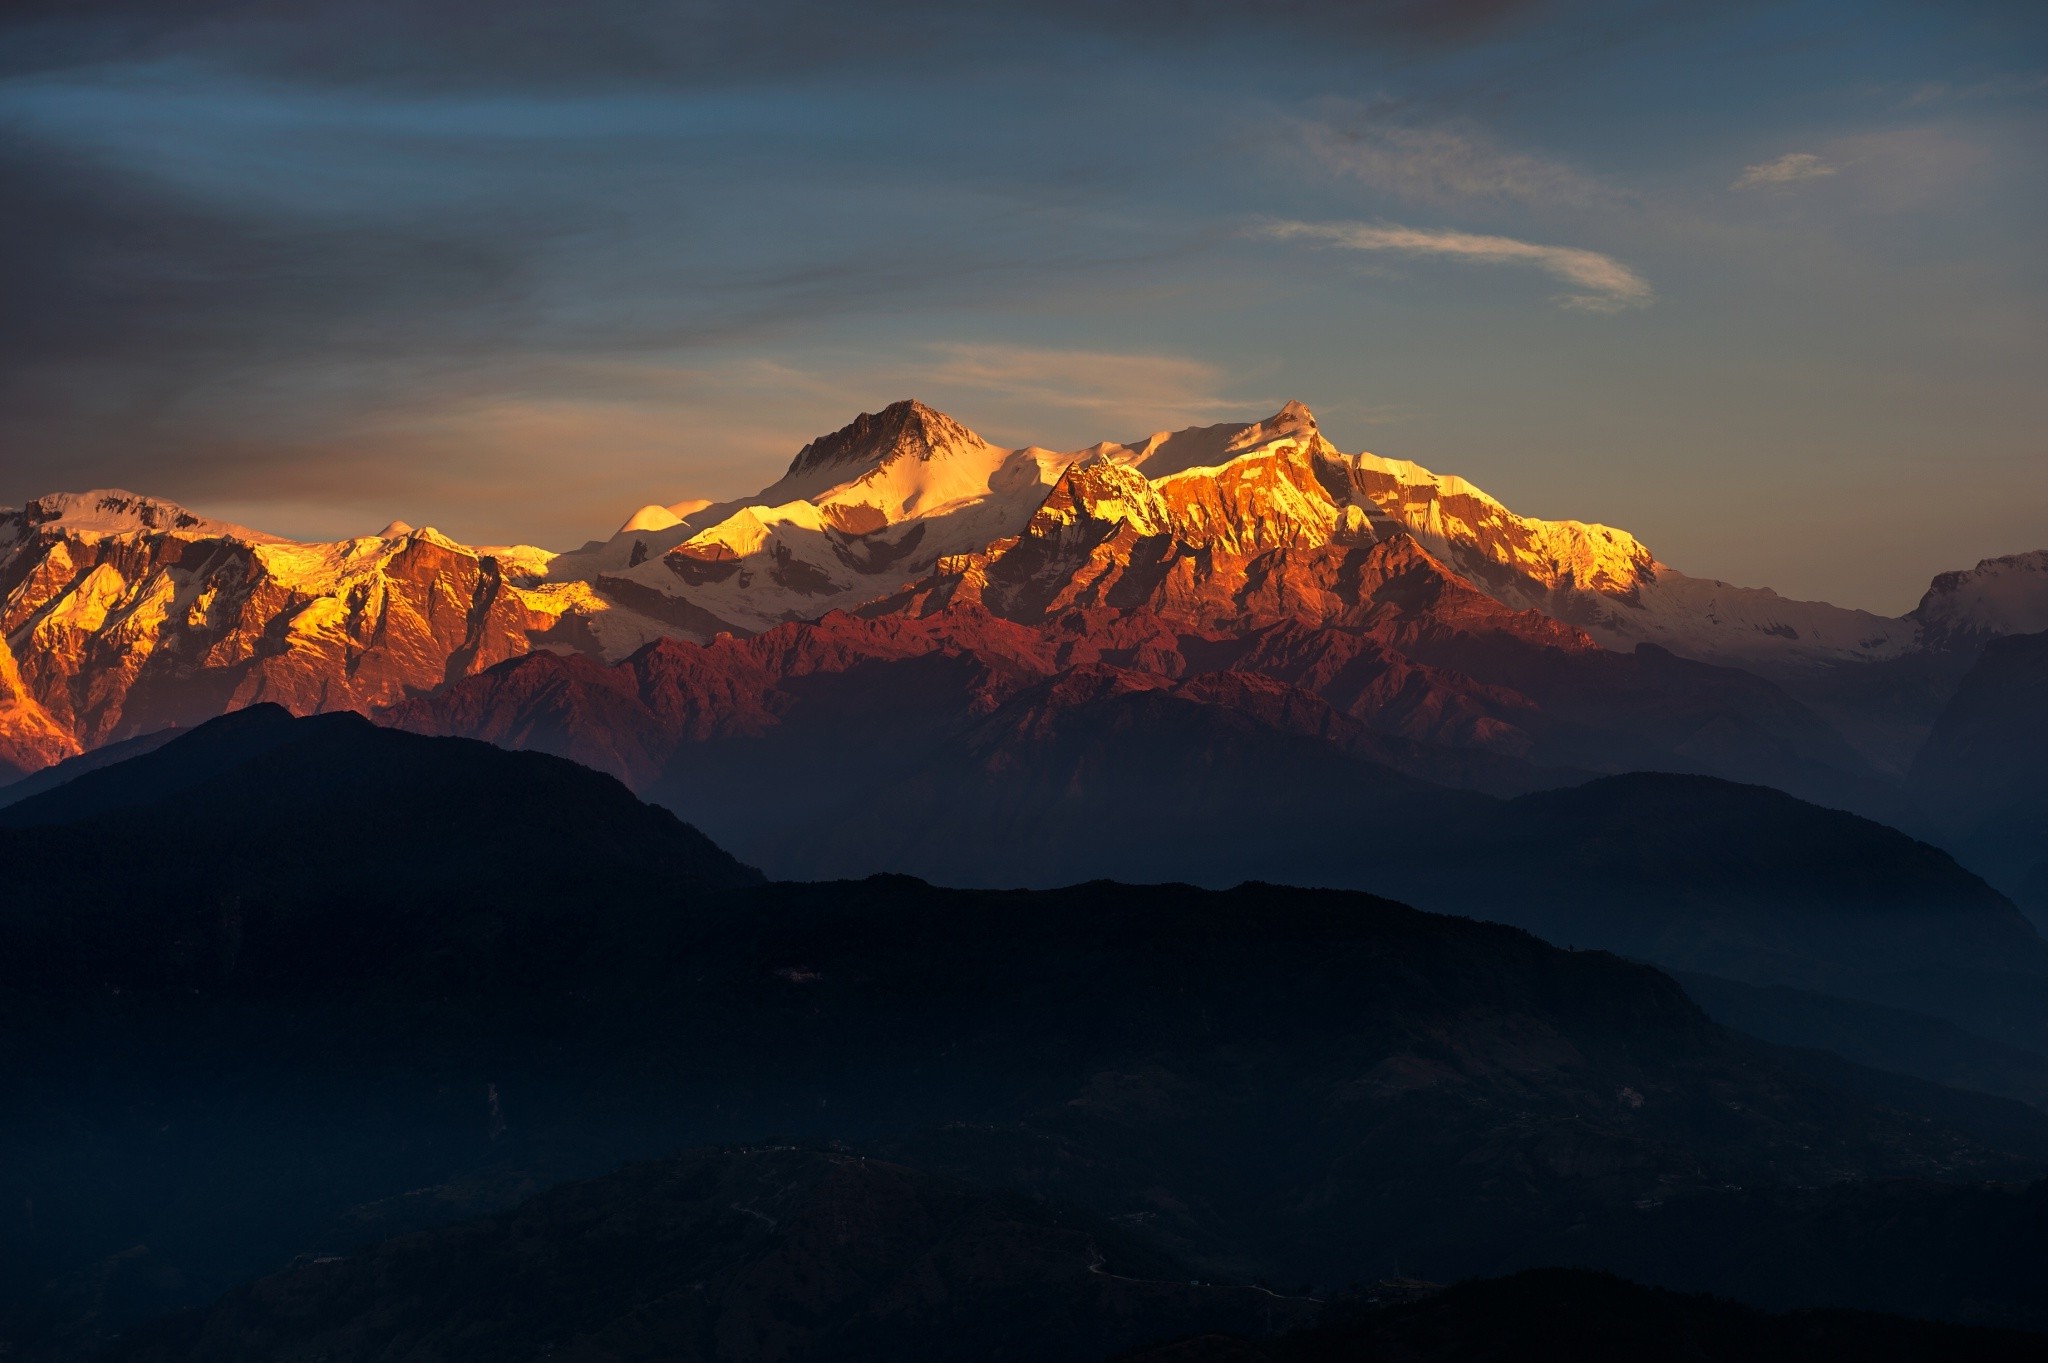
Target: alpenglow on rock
column 121, row 613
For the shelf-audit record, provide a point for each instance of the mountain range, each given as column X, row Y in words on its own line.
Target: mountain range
column 1364, row 604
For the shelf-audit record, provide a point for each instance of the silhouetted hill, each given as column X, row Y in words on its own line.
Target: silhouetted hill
column 290, row 986
column 1068, row 783
column 258, row 839
column 1734, row 880
column 49, row 778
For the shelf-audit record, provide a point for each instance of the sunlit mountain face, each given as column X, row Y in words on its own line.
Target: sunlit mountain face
column 1407, row 610
column 799, row 683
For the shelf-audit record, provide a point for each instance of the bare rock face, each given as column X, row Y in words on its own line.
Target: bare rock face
column 30, row 736
column 121, row 616
column 907, row 429
column 1411, row 601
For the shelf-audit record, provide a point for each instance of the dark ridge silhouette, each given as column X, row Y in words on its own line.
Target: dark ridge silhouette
column 288, row 987
column 50, row 777
column 1065, row 783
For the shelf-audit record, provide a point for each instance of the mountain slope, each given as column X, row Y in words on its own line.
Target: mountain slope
column 1628, row 861
column 1275, row 562
column 124, row 615
column 747, row 1253
column 1980, row 777
column 1962, row 611
column 1127, row 780
column 310, row 1043
column 955, row 750
column 347, row 823
column 31, row 738
column 1894, row 1040
column 1453, row 686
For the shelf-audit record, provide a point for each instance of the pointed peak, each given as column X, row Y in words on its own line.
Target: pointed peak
column 395, row 530
column 874, row 438
column 1292, row 422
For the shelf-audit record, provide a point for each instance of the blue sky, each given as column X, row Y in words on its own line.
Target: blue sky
column 1764, row 284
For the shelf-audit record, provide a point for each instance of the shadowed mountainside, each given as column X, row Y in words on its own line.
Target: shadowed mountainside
column 1222, row 780
column 755, row 1253
column 1983, row 775
column 309, row 1048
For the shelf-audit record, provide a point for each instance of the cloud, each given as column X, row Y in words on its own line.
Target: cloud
column 1016, row 394
column 2010, row 85
column 1172, row 387
column 1787, row 169
column 529, row 45
column 247, row 292
column 1443, row 165
column 1605, row 284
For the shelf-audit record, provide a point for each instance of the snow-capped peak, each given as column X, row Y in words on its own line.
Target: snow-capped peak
column 1293, row 419
column 906, row 429
column 1165, row 453
column 1999, row 596
column 650, row 517
column 113, row 511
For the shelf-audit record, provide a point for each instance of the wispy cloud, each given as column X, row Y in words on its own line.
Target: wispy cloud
column 2010, row 85
column 1787, row 169
column 1604, row 284
column 1172, row 386
column 1443, row 165
column 1015, row 394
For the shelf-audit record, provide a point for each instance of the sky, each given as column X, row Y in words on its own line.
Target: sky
column 1764, row 284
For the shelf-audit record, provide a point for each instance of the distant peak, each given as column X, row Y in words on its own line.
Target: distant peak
column 114, row 511
column 395, row 530
column 1292, row 422
column 650, row 517
column 112, row 504
column 874, row 438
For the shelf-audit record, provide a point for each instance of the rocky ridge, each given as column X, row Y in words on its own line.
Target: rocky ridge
column 120, row 614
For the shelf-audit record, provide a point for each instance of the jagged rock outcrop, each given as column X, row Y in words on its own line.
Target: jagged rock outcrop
column 122, row 615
